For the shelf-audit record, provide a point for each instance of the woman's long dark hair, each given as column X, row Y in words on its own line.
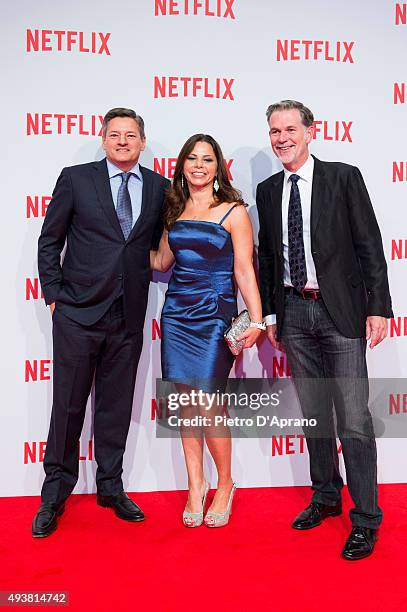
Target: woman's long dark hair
column 178, row 194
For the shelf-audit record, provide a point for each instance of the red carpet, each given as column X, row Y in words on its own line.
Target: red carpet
column 256, row 562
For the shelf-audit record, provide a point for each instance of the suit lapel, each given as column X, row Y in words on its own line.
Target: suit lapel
column 145, row 200
column 318, row 195
column 276, row 199
column 102, row 184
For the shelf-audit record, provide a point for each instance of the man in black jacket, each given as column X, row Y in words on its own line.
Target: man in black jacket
column 325, row 292
column 108, row 214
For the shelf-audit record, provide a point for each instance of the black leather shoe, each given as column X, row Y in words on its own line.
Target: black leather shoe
column 314, row 514
column 360, row 543
column 46, row 519
column 123, row 506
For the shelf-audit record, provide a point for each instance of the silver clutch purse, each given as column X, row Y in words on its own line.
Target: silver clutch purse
column 239, row 325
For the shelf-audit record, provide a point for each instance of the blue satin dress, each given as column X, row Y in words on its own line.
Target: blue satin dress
column 199, row 305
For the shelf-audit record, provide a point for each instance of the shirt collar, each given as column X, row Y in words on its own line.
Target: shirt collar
column 114, row 170
column 305, row 172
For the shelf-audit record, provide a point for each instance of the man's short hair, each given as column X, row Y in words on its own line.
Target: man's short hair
column 123, row 112
column 307, row 117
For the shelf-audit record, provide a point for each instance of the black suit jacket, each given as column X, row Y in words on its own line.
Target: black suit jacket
column 345, row 242
column 99, row 264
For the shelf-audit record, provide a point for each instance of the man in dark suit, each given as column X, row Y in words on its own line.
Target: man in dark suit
column 325, row 292
column 108, row 214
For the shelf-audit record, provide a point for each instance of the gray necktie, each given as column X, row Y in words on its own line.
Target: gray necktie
column 296, row 252
column 123, row 209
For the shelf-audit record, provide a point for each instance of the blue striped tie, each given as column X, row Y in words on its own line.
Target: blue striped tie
column 296, row 253
column 123, row 209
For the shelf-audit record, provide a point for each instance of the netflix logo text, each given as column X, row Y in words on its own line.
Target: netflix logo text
column 37, row 370
column 155, row 330
column 166, row 166
column 36, row 206
column 193, row 87
column 61, row 123
column 399, row 93
column 401, row 13
column 287, row 445
column 33, row 289
column 159, row 410
column 206, row 8
column 399, row 249
column 290, row 445
column 67, row 40
column 338, row 131
column 398, row 403
column 34, row 451
column 399, row 172
column 314, row 50
column 280, row 368
column 398, row 327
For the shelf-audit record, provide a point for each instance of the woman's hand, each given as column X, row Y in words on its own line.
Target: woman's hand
column 250, row 336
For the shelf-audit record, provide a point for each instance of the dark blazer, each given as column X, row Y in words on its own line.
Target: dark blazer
column 346, row 247
column 99, row 264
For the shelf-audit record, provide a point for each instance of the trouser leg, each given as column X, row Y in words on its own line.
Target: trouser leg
column 305, row 357
column 346, row 369
column 75, row 352
column 114, row 388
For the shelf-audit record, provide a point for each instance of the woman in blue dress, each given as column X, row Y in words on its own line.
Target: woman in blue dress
column 208, row 234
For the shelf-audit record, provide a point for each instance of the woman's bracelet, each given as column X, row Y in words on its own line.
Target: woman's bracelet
column 260, row 325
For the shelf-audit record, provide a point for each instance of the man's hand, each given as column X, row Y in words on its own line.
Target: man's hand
column 272, row 336
column 376, row 330
column 52, row 308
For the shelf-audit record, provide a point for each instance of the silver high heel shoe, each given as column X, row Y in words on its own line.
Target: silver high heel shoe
column 195, row 519
column 220, row 519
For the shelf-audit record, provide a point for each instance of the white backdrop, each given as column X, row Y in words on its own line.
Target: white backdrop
column 79, row 59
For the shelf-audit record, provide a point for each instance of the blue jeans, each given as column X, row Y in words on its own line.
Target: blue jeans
column 329, row 370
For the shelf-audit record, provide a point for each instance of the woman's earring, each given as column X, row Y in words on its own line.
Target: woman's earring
column 215, row 184
column 182, row 181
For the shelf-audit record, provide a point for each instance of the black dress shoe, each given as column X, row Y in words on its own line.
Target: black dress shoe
column 123, row 506
column 360, row 543
column 46, row 519
column 314, row 514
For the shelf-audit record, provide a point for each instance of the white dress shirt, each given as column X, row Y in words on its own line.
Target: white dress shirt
column 305, row 173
